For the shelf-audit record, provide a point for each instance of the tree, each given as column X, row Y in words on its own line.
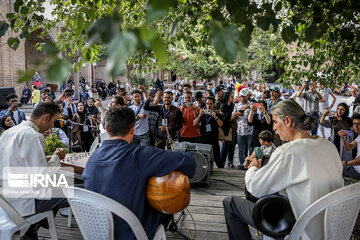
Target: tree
column 329, row 27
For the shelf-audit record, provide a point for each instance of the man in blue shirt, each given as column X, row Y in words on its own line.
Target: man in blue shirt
column 120, row 170
column 17, row 115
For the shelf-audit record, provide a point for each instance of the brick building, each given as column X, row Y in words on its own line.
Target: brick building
column 26, row 57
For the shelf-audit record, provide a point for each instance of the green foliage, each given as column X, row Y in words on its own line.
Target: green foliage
column 90, row 30
column 52, row 143
column 3, row 28
column 58, row 70
column 119, row 51
column 221, row 33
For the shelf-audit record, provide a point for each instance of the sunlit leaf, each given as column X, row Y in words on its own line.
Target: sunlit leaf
column 225, row 40
column 50, row 48
column 24, row 76
column 157, row 9
column 120, row 49
column 58, row 70
column 175, row 26
column 13, row 43
column 102, row 29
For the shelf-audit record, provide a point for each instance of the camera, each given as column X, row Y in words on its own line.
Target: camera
column 188, row 104
column 207, row 111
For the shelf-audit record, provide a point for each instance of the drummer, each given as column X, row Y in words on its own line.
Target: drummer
column 304, row 169
column 120, row 170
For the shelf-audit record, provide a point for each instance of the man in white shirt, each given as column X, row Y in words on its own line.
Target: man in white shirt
column 141, row 135
column 244, row 129
column 324, row 103
column 304, row 170
column 24, row 146
column 351, row 100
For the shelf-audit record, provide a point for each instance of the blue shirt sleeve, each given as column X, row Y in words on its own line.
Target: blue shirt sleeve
column 158, row 162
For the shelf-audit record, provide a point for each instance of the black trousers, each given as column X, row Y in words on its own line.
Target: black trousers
column 238, row 215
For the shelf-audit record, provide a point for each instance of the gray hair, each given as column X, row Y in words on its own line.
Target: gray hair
column 293, row 110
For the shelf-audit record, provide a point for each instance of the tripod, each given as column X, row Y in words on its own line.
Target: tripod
column 173, row 225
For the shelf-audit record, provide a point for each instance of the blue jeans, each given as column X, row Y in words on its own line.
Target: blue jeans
column 227, row 150
column 143, row 140
column 243, row 143
column 315, row 130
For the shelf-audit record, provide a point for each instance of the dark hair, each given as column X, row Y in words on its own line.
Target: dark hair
column 119, row 100
column 267, row 93
column 218, row 89
column 135, row 91
column 264, row 103
column 80, row 102
column 58, row 101
column 210, row 98
column 2, row 122
column 10, row 96
column 198, row 95
column 188, row 92
column 211, row 93
column 225, row 97
column 35, row 87
column 168, row 92
column 45, row 108
column 266, row 135
column 91, row 99
column 119, row 120
column 344, row 105
column 355, row 116
column 186, row 85
column 123, row 93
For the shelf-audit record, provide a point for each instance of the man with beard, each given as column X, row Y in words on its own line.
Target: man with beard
column 169, row 121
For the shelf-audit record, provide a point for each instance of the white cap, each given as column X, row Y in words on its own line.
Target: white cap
column 244, row 92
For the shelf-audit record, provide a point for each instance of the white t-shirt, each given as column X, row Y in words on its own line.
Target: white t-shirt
column 350, row 103
column 325, row 93
column 304, row 170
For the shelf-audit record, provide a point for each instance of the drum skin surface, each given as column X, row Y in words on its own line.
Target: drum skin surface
column 170, row 193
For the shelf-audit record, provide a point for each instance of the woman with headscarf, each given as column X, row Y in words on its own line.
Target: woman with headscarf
column 228, row 147
column 82, row 133
column 336, row 123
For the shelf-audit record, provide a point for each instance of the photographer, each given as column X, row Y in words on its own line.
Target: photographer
column 352, row 168
column 340, row 122
column 260, row 119
column 17, row 115
column 189, row 132
column 170, row 118
column 244, row 130
column 209, row 122
column 312, row 98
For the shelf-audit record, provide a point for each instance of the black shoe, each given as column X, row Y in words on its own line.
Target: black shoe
column 230, row 165
column 240, row 167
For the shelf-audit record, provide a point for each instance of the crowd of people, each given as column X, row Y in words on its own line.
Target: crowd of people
column 223, row 116
column 275, row 130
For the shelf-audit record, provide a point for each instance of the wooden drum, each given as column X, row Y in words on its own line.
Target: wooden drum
column 170, row 193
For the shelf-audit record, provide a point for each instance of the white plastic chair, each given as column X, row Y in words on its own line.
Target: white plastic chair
column 341, row 211
column 11, row 221
column 93, row 213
